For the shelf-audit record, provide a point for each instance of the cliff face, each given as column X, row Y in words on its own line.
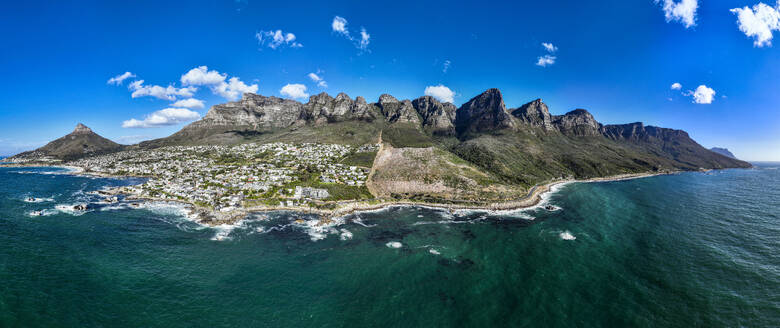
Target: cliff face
column 253, row 110
column 397, row 111
column 535, row 113
column 484, row 113
column 723, row 151
column 676, row 144
column 578, row 122
column 323, row 108
column 437, row 117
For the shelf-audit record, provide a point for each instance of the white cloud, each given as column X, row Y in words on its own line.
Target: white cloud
column 446, row 66
column 167, row 93
column 294, row 91
column 165, row 117
column 683, row 11
column 545, row 60
column 233, row 89
column 129, row 140
column 364, row 39
column 275, row 39
column 676, row 86
column 440, row 92
column 702, row 95
column 202, row 76
column 314, row 77
column 189, row 103
column 339, row 25
column 759, row 22
column 549, row 47
column 117, row 80
column 318, row 79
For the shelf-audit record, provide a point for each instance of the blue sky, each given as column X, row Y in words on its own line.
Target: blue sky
column 618, row 59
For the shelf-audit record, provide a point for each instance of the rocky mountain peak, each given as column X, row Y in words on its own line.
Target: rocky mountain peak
column 397, row 111
column 81, row 142
column 578, row 122
column 485, row 112
column 253, row 110
column 386, row 98
column 437, row 117
column 81, row 129
column 535, row 113
column 320, row 98
column 323, row 108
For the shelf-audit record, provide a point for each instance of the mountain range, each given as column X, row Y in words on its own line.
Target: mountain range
column 431, row 145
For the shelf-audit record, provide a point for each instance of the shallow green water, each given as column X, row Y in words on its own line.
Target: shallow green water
column 686, row 250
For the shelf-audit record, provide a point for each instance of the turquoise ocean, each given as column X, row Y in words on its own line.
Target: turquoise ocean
column 687, row 250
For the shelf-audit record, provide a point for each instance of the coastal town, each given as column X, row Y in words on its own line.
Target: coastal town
column 230, row 178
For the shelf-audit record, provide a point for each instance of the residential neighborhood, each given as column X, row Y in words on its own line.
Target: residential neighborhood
column 225, row 178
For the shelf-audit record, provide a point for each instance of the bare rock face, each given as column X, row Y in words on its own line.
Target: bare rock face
column 397, row 111
column 437, row 117
column 578, row 122
column 631, row 131
column 323, row 108
column 536, row 114
column 81, row 129
column 484, row 113
column 723, row 151
column 253, row 110
column 638, row 132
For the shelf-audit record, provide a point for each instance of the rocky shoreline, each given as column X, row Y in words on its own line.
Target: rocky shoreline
column 207, row 216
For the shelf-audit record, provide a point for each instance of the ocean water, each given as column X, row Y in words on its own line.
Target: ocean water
column 685, row 250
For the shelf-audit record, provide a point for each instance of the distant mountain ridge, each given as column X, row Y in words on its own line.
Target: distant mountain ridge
column 723, row 151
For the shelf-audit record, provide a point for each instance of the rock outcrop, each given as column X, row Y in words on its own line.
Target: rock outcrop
column 397, row 111
column 323, row 108
column 437, row 117
column 535, row 113
column 484, row 113
column 723, row 151
column 578, row 122
column 256, row 111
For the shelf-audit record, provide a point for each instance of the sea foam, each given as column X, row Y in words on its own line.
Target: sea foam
column 394, row 244
column 566, row 235
column 37, row 200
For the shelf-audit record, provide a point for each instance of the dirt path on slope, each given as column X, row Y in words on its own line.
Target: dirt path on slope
column 370, row 177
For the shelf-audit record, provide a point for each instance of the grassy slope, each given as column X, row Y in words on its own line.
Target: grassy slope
column 435, row 175
column 406, row 135
column 530, row 157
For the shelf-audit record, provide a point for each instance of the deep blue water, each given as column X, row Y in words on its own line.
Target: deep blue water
column 686, row 250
